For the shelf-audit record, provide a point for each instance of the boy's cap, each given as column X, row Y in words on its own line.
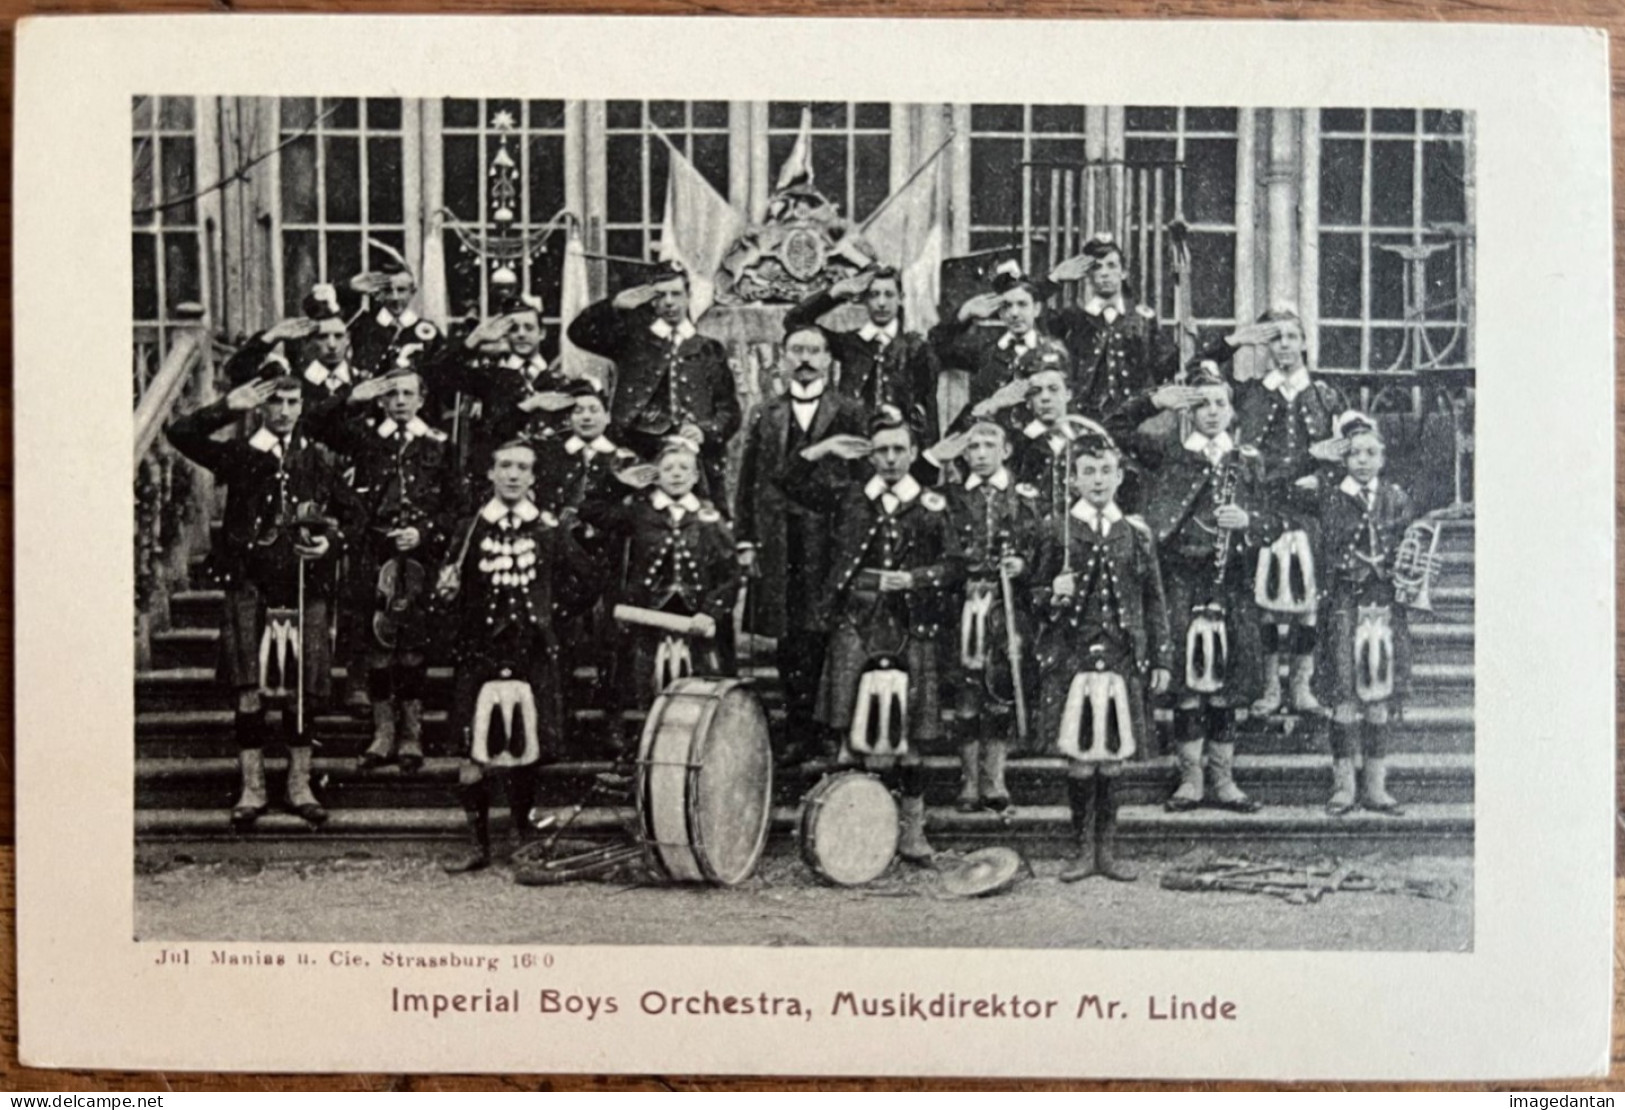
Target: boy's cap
column 321, row 303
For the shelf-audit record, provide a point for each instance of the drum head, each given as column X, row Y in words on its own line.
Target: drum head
column 732, row 790
column 849, row 829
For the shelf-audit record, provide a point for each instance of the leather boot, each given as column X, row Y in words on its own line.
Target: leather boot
column 1270, row 701
column 300, row 799
column 1374, row 786
column 912, row 844
column 1221, row 766
column 410, row 725
column 1303, row 673
column 521, row 796
column 1106, row 861
column 477, row 807
column 252, row 802
column 382, row 748
column 1189, row 794
column 1342, row 799
column 970, row 795
column 995, row 795
column 1080, row 795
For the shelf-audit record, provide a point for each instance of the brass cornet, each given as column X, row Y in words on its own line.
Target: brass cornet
column 1416, row 565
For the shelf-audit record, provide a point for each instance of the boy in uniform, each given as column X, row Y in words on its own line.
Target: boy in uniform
column 1043, row 447
column 405, row 477
column 581, row 462
column 1207, row 508
column 895, row 555
column 286, row 518
column 997, row 357
column 319, row 336
column 1103, row 643
column 380, row 338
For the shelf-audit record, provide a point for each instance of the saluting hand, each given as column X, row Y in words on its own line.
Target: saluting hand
column 1253, row 335
column 370, row 390
column 494, row 330
column 250, row 395
column 1175, row 396
column 981, row 306
column 1007, row 396
column 551, row 400
column 842, row 447
column 635, row 297
column 294, row 327
column 852, row 287
column 1075, row 268
column 950, row 447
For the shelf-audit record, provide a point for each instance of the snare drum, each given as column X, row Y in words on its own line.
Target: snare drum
column 705, row 781
column 849, row 828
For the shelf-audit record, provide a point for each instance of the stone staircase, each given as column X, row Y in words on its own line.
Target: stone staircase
column 186, row 770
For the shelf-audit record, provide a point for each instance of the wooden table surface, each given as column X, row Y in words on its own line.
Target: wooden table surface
column 1608, row 14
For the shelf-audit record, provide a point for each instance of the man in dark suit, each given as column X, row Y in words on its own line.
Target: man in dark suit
column 669, row 379
column 784, row 545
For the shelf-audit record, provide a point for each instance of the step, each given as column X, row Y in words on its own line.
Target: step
column 1146, row 830
column 204, row 783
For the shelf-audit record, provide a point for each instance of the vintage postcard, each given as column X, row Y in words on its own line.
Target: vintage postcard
column 809, row 547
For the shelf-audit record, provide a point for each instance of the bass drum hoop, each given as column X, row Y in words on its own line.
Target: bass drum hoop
column 812, row 806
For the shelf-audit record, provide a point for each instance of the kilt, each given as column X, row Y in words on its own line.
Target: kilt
column 540, row 669
column 1188, row 585
column 1335, row 665
column 843, row 669
column 1057, row 683
column 243, row 624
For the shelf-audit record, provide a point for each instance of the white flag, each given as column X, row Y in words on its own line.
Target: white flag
column 573, row 297
column 699, row 227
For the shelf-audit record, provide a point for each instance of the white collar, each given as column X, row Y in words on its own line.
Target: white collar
column 1198, row 442
column 1090, row 515
column 1287, row 385
column 663, row 501
column 414, row 427
column 1026, row 341
column 1354, row 489
column 601, row 445
column 317, row 374
column 999, row 481
column 387, row 319
column 266, row 440
column 906, row 489
column 870, row 330
column 517, row 362
column 684, row 330
column 1096, row 305
column 803, row 394
column 496, row 508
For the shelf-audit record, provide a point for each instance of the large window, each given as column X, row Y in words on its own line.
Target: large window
column 164, row 241
column 851, row 150
column 474, row 134
column 340, row 186
column 1006, row 201
column 638, row 166
column 1393, row 214
column 1202, row 143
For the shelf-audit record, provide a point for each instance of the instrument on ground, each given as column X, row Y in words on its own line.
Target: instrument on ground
column 705, row 781
column 984, row 872
column 1207, row 637
column 1374, row 653
column 1285, row 581
column 880, row 717
column 1416, row 564
column 1096, row 725
column 542, row 862
column 848, row 828
column 505, row 724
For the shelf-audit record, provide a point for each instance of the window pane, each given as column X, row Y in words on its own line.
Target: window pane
column 177, row 155
column 872, row 156
column 624, row 179
column 144, row 253
column 875, row 116
column 1213, row 275
column 1210, row 119
column 995, row 181
column 1392, row 188
column 546, row 114
column 141, row 113
column 175, row 113
column 343, row 263
column 460, row 113
column 624, row 244
column 297, row 112
column 1210, row 180
column 1065, row 151
column 710, row 113
column 142, row 155
column 462, row 277
column 180, row 270
column 1444, row 198
column 624, row 114
column 829, row 115
column 1341, row 171
column 546, row 191
column 299, row 181
column 384, row 114
column 1387, row 278
column 1448, row 123
column 1343, row 119
column 1387, row 344
column 991, row 240
column 465, row 180
column 1142, row 151
column 829, row 168
column 670, row 114
column 710, row 155
column 384, row 203
column 1340, row 275
column 1441, row 279
column 1150, row 119
column 996, row 117
column 342, row 176
column 1393, row 121
column 1064, row 119
column 342, row 112
column 782, row 114
column 1339, row 349
column 299, row 268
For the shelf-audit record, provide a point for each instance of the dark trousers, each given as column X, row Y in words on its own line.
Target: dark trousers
column 800, row 659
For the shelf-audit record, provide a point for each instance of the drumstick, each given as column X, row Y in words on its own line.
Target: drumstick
column 657, row 619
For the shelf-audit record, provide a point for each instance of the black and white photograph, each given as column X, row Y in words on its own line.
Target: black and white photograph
column 787, row 522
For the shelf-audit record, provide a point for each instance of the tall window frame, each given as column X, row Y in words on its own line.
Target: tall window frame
column 1002, row 138
column 166, row 226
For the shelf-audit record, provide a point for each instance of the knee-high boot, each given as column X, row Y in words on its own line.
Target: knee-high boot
column 300, row 798
column 1080, row 795
column 410, row 727
column 1188, row 731
column 995, row 795
column 252, row 801
column 476, row 800
column 521, row 796
column 970, row 794
column 1106, row 861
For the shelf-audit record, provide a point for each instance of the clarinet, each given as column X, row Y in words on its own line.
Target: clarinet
column 1225, row 494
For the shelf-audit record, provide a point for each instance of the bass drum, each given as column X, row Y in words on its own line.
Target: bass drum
column 705, row 781
column 848, row 828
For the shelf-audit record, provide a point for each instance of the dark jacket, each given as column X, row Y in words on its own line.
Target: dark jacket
column 690, row 562
column 499, row 384
column 1121, row 567
column 1113, row 360
column 901, row 372
column 378, row 338
column 992, row 357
